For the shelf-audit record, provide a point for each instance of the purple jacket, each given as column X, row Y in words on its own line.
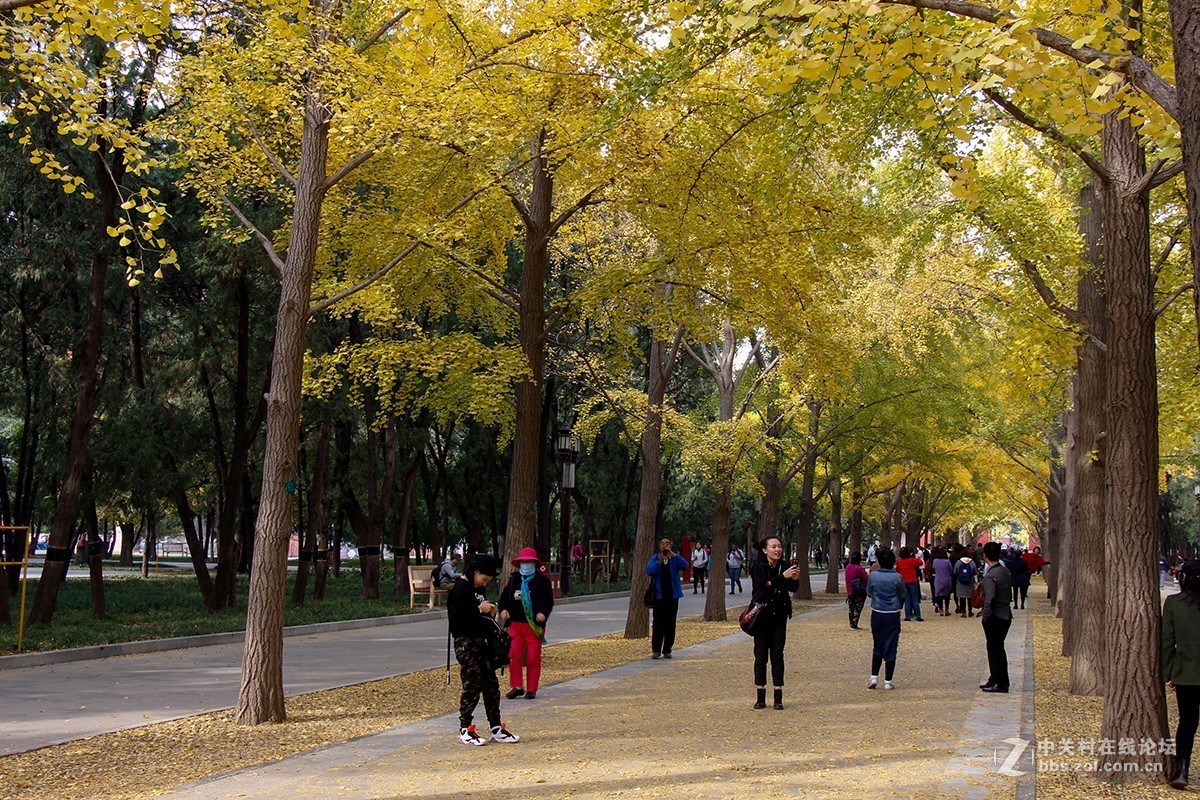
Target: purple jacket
column 855, row 571
column 943, row 577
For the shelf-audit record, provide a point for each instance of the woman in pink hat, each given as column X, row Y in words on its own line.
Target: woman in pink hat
column 525, row 605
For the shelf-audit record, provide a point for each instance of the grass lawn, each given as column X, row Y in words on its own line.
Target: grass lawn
column 166, row 605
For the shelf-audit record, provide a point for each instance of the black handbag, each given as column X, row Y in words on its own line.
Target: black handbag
column 752, row 618
column 499, row 643
column 650, row 596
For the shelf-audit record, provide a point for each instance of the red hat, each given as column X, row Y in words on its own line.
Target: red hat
column 527, row 554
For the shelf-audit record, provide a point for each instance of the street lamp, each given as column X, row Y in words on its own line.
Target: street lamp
column 568, row 451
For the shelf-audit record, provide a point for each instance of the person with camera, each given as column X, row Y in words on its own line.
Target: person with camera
column 472, row 625
column 525, row 605
column 664, row 570
column 772, row 582
column 996, row 616
column 886, row 589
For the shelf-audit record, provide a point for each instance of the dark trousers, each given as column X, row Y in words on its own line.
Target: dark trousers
column 768, row 643
column 663, row 636
column 477, row 680
column 994, row 631
column 1019, row 593
column 1188, row 698
column 855, row 601
column 698, row 575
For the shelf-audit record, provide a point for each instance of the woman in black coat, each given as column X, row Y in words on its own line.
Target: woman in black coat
column 773, row 581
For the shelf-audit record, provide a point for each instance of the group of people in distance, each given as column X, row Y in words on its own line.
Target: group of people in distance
column 893, row 585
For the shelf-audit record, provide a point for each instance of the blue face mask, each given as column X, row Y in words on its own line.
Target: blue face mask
column 527, row 568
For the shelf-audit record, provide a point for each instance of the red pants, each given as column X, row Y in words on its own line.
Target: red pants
column 526, row 657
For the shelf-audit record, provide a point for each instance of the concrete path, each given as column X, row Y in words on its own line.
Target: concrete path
column 685, row 728
column 51, row 704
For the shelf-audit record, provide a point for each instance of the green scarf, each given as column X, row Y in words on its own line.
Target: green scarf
column 527, row 606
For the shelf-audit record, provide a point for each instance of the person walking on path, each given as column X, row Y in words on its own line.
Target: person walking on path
column 1181, row 664
column 664, row 569
column 699, row 566
column 909, row 568
column 772, row 583
column 856, row 588
column 964, row 582
column 887, row 592
column 1019, row 571
column 734, row 562
column 525, row 605
column 943, row 582
column 471, row 623
column 1164, row 566
column 996, row 615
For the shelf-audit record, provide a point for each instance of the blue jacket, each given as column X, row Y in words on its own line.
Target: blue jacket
column 885, row 587
column 676, row 565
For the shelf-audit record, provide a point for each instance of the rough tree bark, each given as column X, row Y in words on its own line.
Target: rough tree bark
column 1088, row 597
column 835, row 538
column 663, row 357
column 260, row 697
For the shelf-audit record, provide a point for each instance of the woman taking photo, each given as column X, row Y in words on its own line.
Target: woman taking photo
column 1181, row 663
column 772, row 584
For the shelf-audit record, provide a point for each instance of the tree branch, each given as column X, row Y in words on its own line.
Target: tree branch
column 275, row 162
column 382, row 31
column 519, row 205
column 1137, row 69
column 575, row 208
column 266, row 243
column 1014, row 111
column 1170, row 247
column 13, row 5
column 1159, row 175
column 1171, row 299
column 363, row 284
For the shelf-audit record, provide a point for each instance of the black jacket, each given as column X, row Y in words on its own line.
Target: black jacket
column 541, row 595
column 462, row 605
column 770, row 587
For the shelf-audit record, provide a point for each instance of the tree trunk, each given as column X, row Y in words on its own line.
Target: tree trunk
column 187, row 519
column 224, row 586
column 260, row 698
column 1088, row 594
column 95, row 557
column 714, row 603
column 89, row 379
column 835, row 538
column 527, row 439
column 1185, row 41
column 400, row 545
column 1135, row 705
column 662, row 363
column 1056, row 514
column 318, row 514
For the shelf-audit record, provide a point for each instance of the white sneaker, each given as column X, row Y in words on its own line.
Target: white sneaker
column 500, row 734
column 871, row 684
column 468, row 735
column 889, row 685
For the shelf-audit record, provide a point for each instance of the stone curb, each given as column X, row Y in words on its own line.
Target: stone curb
column 49, row 657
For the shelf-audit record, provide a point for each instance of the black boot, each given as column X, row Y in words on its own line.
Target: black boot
column 778, row 698
column 762, row 698
column 1180, row 779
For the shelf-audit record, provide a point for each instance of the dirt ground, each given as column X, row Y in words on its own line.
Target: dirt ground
column 685, row 728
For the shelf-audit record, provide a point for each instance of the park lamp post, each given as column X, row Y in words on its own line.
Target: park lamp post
column 568, row 451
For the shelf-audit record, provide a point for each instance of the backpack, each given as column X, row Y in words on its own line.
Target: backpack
column 965, row 573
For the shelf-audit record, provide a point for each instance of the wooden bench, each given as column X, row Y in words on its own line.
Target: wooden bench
column 420, row 581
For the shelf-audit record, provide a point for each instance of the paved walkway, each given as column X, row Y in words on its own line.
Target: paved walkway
column 51, row 704
column 684, row 728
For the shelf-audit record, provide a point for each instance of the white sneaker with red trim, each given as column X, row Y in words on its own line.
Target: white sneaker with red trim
column 468, row 735
column 500, row 734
